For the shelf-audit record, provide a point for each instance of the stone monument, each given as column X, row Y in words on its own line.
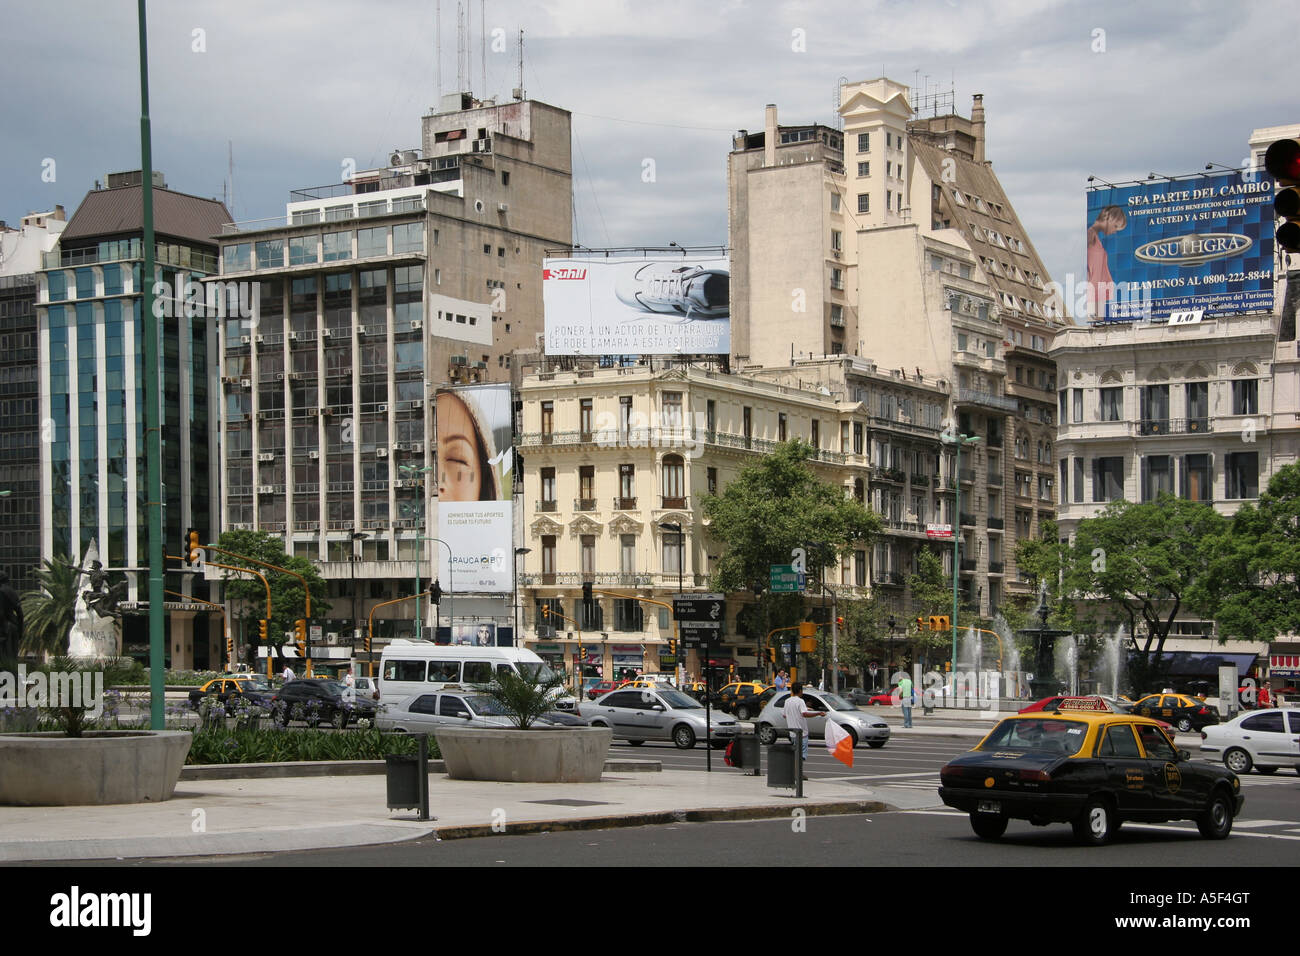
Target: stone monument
column 96, row 631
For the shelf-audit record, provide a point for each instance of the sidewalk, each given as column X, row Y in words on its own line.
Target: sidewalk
column 217, row 817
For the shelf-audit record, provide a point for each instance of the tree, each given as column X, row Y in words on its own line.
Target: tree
column 931, row 593
column 50, row 611
column 769, row 509
column 1147, row 560
column 288, row 602
column 1253, row 586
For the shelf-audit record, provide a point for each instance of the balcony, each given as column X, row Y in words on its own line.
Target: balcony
column 995, row 567
column 547, row 506
column 967, row 565
column 600, row 579
column 675, row 504
column 967, row 520
column 967, row 475
column 1173, row 426
column 997, row 524
column 921, row 481
column 891, row 474
column 995, row 479
column 969, row 396
column 584, row 504
column 624, row 504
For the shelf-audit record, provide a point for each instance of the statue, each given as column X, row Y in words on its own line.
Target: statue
column 96, row 631
column 11, row 620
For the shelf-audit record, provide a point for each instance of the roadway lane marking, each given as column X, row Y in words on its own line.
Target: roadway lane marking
column 937, row 813
column 1156, row 826
column 1249, row 824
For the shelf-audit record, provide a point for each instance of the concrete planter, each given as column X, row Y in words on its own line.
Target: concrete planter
column 105, row 766
column 550, row 755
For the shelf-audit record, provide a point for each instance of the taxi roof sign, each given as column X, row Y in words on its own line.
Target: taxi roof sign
column 1084, row 705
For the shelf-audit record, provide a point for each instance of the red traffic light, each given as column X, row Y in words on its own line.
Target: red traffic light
column 1282, row 160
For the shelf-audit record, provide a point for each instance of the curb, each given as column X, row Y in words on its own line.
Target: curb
column 351, row 768
column 763, row 812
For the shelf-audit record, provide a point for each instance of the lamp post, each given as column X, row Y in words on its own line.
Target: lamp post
column 892, row 625
column 515, row 577
column 451, row 585
column 356, row 621
column 681, row 586
column 957, row 441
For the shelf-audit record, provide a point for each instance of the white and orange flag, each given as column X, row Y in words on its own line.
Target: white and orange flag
column 839, row 743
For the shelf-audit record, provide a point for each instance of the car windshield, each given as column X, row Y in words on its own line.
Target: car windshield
column 679, row 701
column 1037, row 734
column 835, row 702
column 537, row 672
column 255, row 683
column 482, row 704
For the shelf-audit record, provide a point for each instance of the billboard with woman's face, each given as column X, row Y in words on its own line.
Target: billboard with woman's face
column 474, row 461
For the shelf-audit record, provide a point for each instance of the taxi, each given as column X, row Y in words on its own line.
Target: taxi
column 1183, row 711
column 1091, row 767
column 743, row 698
column 251, row 687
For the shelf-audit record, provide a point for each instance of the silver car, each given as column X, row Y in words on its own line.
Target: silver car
column 424, row 713
column 640, row 714
column 860, row 725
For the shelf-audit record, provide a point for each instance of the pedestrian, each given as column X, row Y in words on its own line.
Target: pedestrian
column 287, row 674
column 906, row 699
column 796, row 716
column 349, row 680
column 780, row 682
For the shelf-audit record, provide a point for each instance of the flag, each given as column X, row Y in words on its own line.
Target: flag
column 839, row 743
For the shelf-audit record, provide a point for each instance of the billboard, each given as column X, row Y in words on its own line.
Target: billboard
column 1201, row 243
column 475, row 441
column 637, row 306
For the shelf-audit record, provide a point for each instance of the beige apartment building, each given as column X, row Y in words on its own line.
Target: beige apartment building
column 613, row 455
column 893, row 240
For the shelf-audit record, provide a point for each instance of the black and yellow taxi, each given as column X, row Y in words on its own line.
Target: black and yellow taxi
column 1091, row 767
column 743, row 698
column 1185, row 712
column 232, row 687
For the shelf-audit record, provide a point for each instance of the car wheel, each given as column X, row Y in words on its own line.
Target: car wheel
column 988, row 826
column 1184, row 725
column 1216, row 822
column 635, row 743
column 742, row 712
column 1096, row 824
column 339, row 720
column 683, row 737
column 1237, row 760
column 766, row 734
column 876, row 743
column 853, row 737
column 599, row 723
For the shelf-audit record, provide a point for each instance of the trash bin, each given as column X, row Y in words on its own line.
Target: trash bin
column 746, row 754
column 403, row 781
column 780, row 765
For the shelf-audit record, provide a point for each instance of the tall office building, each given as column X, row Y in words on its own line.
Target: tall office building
column 93, row 477
column 893, row 240
column 366, row 296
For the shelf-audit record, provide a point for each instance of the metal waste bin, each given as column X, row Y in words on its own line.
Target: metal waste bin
column 747, row 754
column 780, row 765
column 403, row 781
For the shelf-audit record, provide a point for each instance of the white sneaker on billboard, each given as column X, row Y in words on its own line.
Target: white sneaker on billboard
column 690, row 291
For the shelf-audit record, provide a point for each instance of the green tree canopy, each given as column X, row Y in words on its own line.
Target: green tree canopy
column 1148, row 560
column 1253, row 586
column 50, row 610
column 931, row 593
column 288, row 602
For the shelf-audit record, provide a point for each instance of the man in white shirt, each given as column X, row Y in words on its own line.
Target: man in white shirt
column 288, row 673
column 796, row 716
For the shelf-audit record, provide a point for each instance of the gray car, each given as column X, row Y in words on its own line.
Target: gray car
column 860, row 725
column 425, row 713
column 640, row 714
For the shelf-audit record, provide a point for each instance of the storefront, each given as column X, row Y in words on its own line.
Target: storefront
column 627, row 660
column 1283, row 667
column 552, row 654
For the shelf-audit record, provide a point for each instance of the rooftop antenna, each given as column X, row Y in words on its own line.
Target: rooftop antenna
column 437, row 46
column 482, row 39
column 518, row 91
column 461, row 52
column 230, row 167
column 839, row 94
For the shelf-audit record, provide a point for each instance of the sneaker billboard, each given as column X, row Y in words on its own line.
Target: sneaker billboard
column 637, row 306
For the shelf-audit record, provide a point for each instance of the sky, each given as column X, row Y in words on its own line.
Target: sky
column 293, row 90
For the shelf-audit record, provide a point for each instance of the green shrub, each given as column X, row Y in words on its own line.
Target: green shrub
column 218, row 745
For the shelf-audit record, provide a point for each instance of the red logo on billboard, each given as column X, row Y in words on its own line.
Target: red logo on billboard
column 567, row 272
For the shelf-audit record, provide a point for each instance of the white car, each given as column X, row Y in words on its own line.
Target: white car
column 1263, row 739
column 860, row 725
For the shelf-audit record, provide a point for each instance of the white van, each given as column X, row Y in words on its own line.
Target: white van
column 410, row 667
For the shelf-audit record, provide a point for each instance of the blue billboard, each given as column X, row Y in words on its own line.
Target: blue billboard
column 1203, row 243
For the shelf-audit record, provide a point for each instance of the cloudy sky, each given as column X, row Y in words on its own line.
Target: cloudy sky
column 1115, row 89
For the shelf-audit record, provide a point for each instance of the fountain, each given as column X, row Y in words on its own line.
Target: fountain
column 1044, row 683
column 1112, row 662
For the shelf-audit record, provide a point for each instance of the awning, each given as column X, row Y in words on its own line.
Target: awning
column 1284, row 665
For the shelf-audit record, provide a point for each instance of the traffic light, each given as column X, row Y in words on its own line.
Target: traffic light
column 261, row 630
column 934, row 623
column 230, row 648
column 546, row 612
column 586, row 595
column 1282, row 160
column 807, row 629
column 839, row 622
column 945, row 622
column 771, row 654
column 808, row 645
column 300, row 636
column 435, row 593
column 190, row 550
column 920, row 624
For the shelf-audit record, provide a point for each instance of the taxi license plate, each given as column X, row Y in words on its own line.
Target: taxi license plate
column 990, row 806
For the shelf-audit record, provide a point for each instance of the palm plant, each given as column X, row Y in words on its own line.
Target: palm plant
column 521, row 699
column 50, row 611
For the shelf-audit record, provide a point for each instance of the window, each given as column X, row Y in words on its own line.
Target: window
column 1044, row 488
column 816, row 434
column 270, row 254
column 835, row 202
column 857, row 438
column 548, row 489
column 711, row 480
column 1241, row 474
column 627, row 553
column 587, row 553
column 338, row 245
column 1269, row 723
column 1196, row 478
column 548, row 554
column 1120, row 742
column 302, row 250
column 1112, row 404
column 628, row 615
column 864, row 170
column 1198, row 406
column 1078, row 480
column 674, row 482
column 837, row 278
column 1107, row 479
column 1154, row 408
column 586, row 488
column 710, row 415
column 627, row 486
column 671, row 405
column 585, row 418
column 835, row 240
column 672, row 552
column 1064, row 476
column 747, row 423
column 1157, row 476
column 780, row 426
column 837, row 316
column 408, row 237
column 864, row 142
column 1077, row 405
column 889, row 200
column 1245, row 397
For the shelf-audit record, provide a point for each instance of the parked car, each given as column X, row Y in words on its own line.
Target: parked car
column 640, row 714
column 254, row 689
column 367, row 687
column 315, row 701
column 599, row 688
column 861, row 727
column 745, row 699
column 425, row 713
column 1185, row 713
column 1091, row 768
column 1259, row 739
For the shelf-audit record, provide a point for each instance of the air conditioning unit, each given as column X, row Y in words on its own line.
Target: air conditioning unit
column 293, row 336
column 400, row 446
column 260, row 339
column 503, row 207
column 266, row 456
column 399, row 483
column 418, row 447
column 326, row 411
column 381, row 452
column 241, row 527
column 382, row 409
column 327, row 333
column 245, row 339
column 295, row 376
column 227, row 380
column 279, row 376
column 245, row 383
column 416, row 325
column 313, row 454
column 331, row 637
column 266, row 489
column 418, row 403
column 361, row 330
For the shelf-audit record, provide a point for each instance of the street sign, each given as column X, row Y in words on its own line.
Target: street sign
column 701, row 610
column 938, row 531
column 784, row 579
column 693, row 635
column 317, row 633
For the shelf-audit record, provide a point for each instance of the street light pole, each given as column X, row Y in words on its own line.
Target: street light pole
column 958, row 441
column 356, row 621
column 515, row 576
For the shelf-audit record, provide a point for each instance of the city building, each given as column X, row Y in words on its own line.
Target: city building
column 93, row 480
column 893, row 240
column 21, row 250
column 616, row 459
column 365, row 297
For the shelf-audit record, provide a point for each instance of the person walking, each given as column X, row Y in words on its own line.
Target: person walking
column 288, row 673
column 906, row 699
column 779, row 682
column 796, row 716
